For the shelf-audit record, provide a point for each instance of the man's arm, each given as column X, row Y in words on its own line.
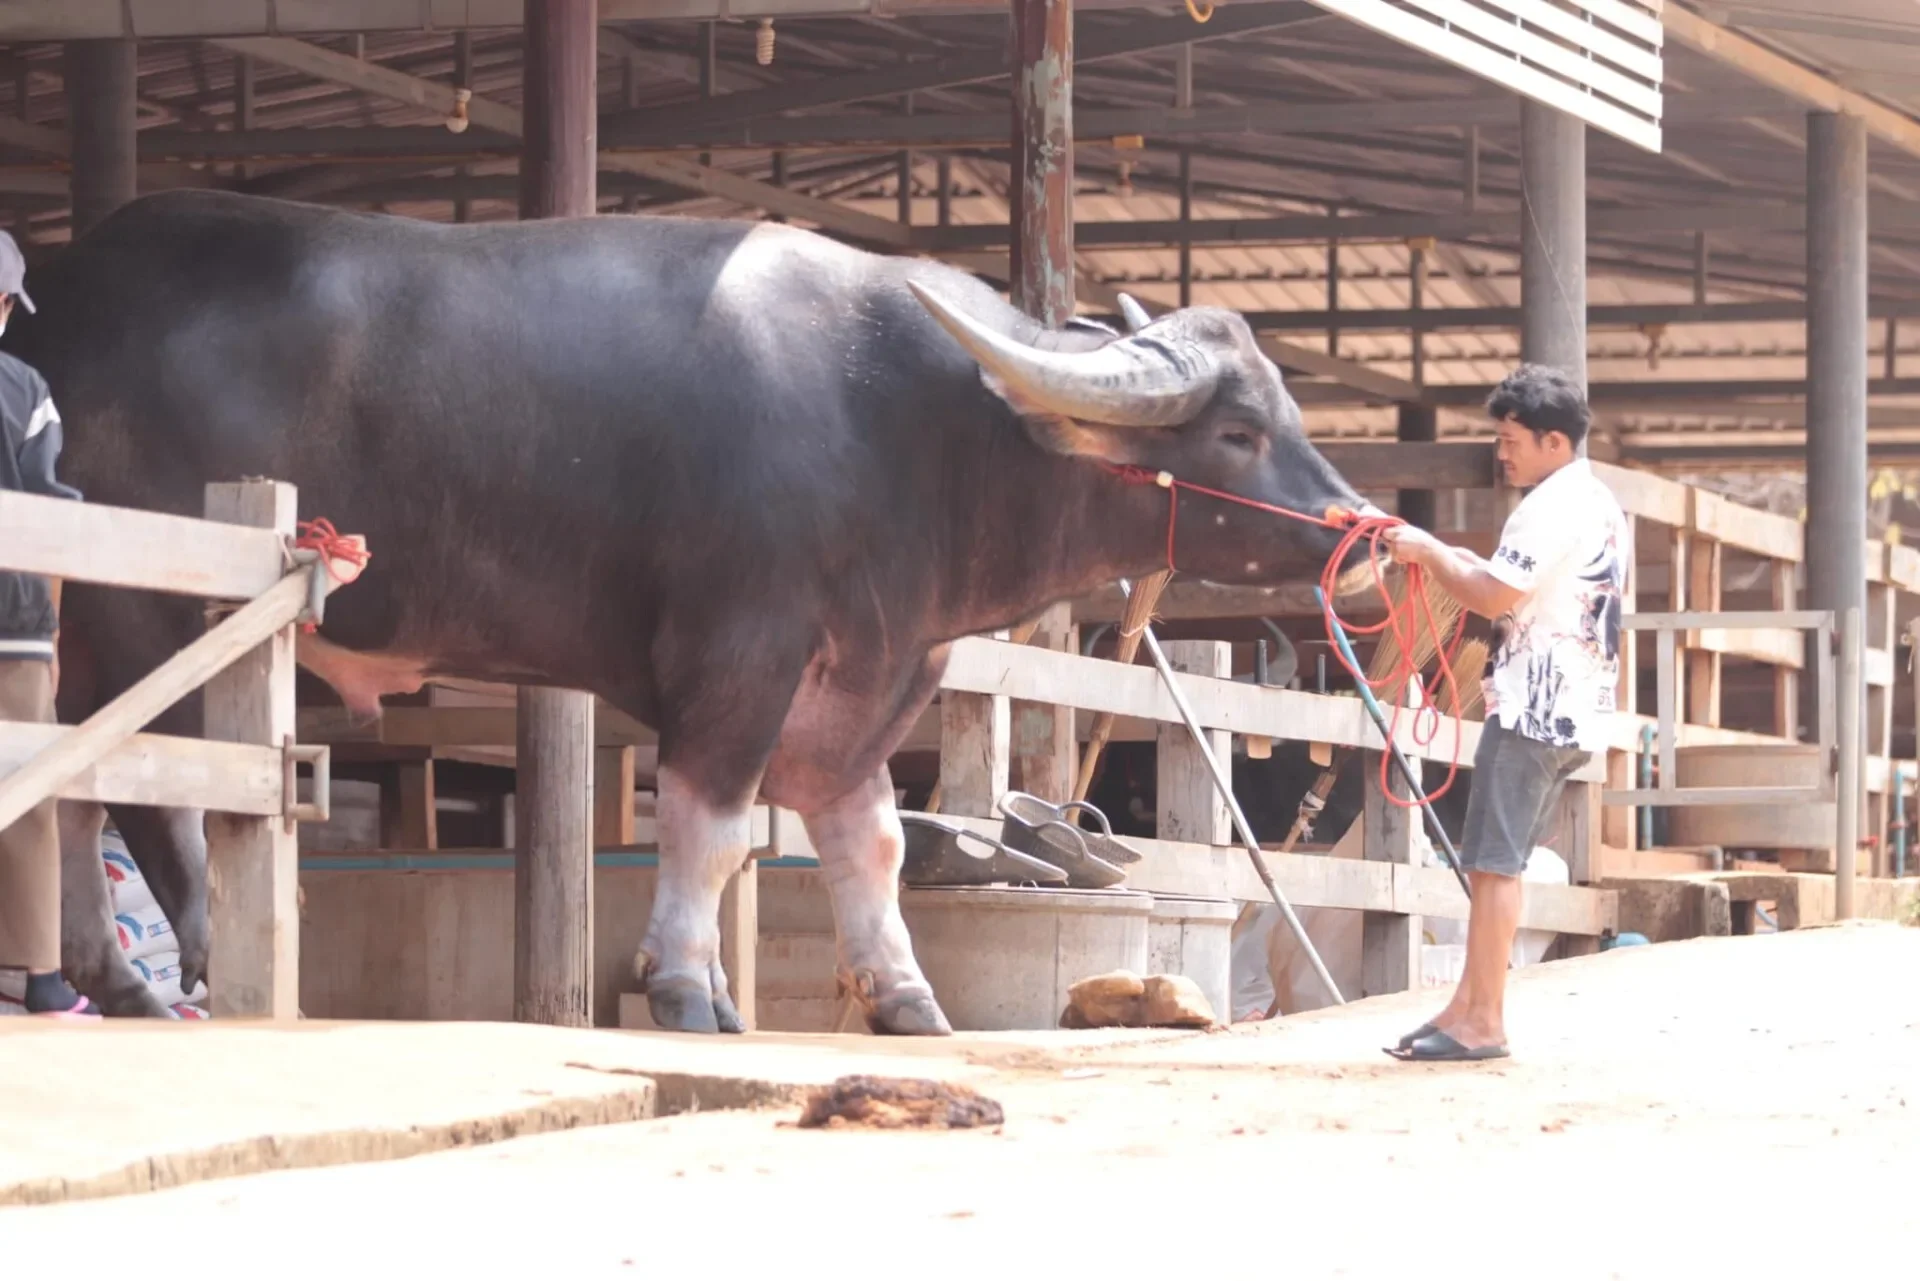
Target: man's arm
column 1465, row 576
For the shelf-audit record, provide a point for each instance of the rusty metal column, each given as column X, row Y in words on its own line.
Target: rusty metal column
column 1418, row 424
column 101, row 79
column 1553, row 239
column 1836, row 569
column 553, row 870
column 1041, row 210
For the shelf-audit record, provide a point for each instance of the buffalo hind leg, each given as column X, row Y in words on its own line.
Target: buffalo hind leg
column 702, row 843
column 170, row 848
column 90, row 952
column 861, row 848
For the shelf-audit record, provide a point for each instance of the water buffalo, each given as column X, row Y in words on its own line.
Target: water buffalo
column 742, row 481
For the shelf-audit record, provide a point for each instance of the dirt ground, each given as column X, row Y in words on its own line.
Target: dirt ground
column 1698, row 1109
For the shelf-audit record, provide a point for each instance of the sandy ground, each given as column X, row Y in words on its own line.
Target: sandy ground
column 1723, row 1106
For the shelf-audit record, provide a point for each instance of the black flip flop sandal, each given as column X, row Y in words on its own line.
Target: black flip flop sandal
column 1438, row 1047
column 1425, row 1029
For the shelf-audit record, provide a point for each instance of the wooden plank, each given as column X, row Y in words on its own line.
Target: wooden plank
column 1386, row 387
column 166, row 685
column 158, row 769
column 1412, row 465
column 253, row 873
column 125, row 547
column 976, row 747
column 740, row 938
column 1390, row 943
column 1187, row 805
column 1639, row 493
column 613, row 796
column 409, row 817
column 455, row 727
column 1317, row 880
column 1780, row 538
column 1703, row 664
column 981, row 666
column 1786, row 678
column 1581, row 809
column 1043, row 760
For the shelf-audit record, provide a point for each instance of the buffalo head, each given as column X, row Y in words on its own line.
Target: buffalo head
column 1190, row 394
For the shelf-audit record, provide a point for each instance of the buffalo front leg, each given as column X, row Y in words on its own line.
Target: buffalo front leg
column 90, row 952
column 702, row 843
column 861, row 848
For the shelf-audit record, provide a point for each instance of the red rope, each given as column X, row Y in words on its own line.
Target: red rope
column 320, row 536
column 1403, row 619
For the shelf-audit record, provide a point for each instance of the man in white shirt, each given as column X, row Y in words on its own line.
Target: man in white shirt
column 1554, row 585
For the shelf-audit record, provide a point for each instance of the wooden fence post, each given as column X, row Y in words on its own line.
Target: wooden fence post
column 1390, row 942
column 1187, row 806
column 253, row 864
column 976, row 747
column 1043, row 755
column 740, row 938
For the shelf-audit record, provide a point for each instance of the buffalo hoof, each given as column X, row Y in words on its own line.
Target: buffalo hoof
column 908, row 1010
column 688, row 1002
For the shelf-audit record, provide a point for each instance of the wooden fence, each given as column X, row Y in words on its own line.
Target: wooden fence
column 243, row 773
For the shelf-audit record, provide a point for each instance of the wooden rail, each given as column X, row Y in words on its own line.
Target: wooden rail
column 242, row 772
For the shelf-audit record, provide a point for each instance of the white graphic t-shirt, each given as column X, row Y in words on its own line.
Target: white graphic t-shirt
column 1556, row 661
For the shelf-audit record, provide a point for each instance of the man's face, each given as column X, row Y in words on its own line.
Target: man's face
column 1527, row 458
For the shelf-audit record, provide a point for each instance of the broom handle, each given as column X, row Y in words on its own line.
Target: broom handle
column 1127, row 647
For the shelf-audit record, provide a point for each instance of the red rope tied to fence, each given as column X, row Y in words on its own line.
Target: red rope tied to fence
column 330, row 545
column 1403, row 620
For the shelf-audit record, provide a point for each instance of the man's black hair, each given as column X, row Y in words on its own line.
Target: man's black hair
column 1542, row 399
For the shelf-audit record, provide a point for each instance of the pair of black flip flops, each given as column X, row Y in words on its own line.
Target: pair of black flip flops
column 1428, row 1044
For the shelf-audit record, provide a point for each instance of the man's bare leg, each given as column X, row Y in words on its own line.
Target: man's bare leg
column 1476, row 1017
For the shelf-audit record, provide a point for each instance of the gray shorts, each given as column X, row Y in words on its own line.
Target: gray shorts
column 1516, row 781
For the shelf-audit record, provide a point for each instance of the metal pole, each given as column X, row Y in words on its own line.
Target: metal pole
column 1553, row 239
column 553, row 918
column 1417, row 423
column 1846, row 844
column 102, row 80
column 1836, row 570
column 1225, row 787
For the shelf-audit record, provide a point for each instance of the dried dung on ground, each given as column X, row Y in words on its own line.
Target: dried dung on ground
column 899, row 1103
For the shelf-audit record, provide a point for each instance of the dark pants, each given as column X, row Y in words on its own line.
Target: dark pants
column 1516, row 781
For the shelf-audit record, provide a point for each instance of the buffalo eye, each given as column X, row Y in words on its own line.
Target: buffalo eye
column 1239, row 438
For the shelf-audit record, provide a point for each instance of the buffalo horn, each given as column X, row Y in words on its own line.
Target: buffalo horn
column 1134, row 314
column 1123, row 383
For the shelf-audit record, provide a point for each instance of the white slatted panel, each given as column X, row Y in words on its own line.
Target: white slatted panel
column 1595, row 59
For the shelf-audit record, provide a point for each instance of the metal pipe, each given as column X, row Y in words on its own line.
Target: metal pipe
column 1646, row 784
column 1899, row 823
column 1225, row 788
column 1846, row 848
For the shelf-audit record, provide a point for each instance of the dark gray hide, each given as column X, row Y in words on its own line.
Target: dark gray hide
column 732, row 477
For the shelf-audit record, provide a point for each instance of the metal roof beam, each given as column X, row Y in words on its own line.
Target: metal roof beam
column 1599, row 316
column 685, row 175
column 210, row 19
column 1654, row 393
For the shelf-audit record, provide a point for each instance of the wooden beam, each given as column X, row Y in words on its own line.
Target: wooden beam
column 253, row 867
column 1809, row 86
column 159, row 770
column 173, row 680
column 371, row 78
column 146, row 551
column 685, row 175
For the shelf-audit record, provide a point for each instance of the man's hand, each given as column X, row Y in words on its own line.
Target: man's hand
column 1411, row 545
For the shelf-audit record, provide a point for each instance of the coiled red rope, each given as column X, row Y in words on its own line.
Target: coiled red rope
column 1403, row 621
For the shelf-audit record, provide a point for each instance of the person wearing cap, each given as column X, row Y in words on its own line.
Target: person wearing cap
column 30, row 440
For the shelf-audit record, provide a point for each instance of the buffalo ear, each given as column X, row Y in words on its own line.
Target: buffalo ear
column 1058, row 434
